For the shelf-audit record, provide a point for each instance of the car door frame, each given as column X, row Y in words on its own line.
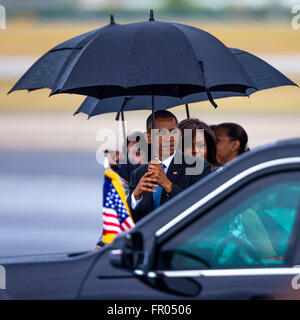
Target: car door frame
column 204, row 205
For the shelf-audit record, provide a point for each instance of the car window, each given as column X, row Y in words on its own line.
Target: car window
column 252, row 227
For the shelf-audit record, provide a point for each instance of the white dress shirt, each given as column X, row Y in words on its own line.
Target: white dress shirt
column 166, row 162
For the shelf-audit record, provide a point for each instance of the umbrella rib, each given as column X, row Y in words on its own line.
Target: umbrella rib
column 189, row 44
column 77, row 58
column 210, row 98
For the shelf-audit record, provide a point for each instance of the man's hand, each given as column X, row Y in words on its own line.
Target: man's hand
column 157, row 172
column 145, row 184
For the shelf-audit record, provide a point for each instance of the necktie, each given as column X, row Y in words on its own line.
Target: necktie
column 158, row 193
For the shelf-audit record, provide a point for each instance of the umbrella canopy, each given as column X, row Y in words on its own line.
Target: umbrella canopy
column 45, row 71
column 261, row 73
column 153, row 58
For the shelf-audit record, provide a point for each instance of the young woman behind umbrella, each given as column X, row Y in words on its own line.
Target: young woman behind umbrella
column 232, row 141
column 200, row 147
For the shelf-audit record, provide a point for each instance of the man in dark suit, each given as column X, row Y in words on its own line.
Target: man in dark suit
column 153, row 184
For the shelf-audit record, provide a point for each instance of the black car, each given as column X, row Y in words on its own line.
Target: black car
column 235, row 234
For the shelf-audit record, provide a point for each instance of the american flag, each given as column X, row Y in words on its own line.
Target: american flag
column 116, row 214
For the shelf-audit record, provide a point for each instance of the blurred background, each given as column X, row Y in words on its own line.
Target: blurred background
column 50, row 181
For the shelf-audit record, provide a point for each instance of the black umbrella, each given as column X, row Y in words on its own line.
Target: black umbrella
column 262, row 74
column 153, row 58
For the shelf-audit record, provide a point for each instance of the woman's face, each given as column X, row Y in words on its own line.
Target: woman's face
column 135, row 155
column 226, row 147
column 198, row 147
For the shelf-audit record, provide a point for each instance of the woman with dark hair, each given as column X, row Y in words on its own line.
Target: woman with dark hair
column 232, row 140
column 200, row 147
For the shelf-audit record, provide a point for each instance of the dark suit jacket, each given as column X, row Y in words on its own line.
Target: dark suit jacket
column 176, row 174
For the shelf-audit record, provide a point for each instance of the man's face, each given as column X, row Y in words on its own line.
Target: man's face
column 166, row 137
